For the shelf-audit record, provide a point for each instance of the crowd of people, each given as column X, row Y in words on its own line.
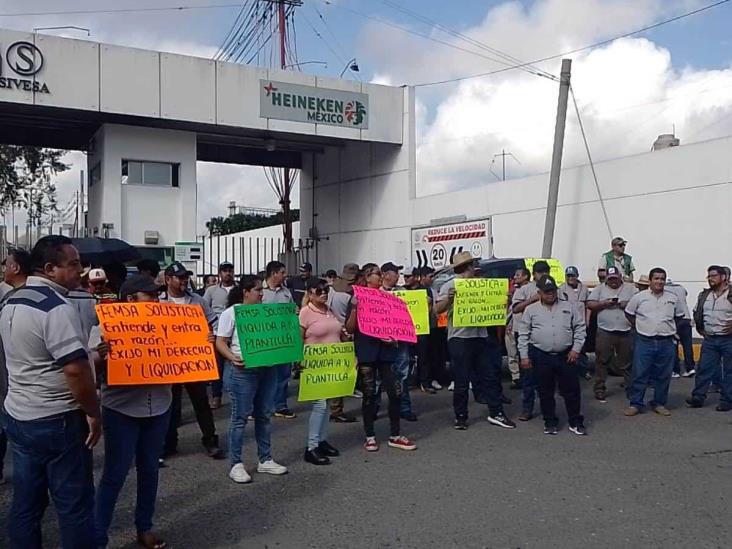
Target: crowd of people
column 57, row 402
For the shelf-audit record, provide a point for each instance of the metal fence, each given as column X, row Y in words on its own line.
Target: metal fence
column 16, row 236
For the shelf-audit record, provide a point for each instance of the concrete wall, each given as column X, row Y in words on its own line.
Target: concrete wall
column 134, row 209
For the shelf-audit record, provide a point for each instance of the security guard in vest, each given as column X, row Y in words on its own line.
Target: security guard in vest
column 551, row 336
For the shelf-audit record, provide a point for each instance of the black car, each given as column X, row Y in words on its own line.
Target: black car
column 487, row 268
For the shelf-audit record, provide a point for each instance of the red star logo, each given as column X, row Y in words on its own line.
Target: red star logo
column 270, row 88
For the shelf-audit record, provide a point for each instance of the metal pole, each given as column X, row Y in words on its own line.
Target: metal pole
column 551, row 207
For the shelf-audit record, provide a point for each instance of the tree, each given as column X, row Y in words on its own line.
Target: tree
column 26, row 180
column 245, row 222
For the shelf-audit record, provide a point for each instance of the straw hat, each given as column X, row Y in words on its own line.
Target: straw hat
column 461, row 259
column 643, row 281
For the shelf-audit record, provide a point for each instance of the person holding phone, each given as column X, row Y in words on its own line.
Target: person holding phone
column 614, row 336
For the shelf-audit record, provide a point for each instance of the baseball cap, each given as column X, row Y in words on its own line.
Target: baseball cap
column 546, row 284
column 225, row 265
column 389, row 266
column 138, row 283
column 619, row 240
column 571, row 271
column 177, row 269
column 306, row 267
column 97, row 275
column 613, row 272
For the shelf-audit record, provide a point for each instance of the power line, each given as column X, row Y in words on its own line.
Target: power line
column 120, row 10
column 231, row 34
column 565, row 53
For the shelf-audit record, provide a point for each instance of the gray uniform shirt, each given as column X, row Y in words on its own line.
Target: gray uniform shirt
column 552, row 329
column 192, row 299
column 655, row 315
column 613, row 320
column 682, row 294
column 452, row 331
column 338, row 304
column 276, row 295
column 527, row 291
column 717, row 312
column 41, row 334
column 217, row 298
column 574, row 295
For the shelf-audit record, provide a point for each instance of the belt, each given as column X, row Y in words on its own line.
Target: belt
column 615, row 332
column 552, row 353
column 658, row 338
column 717, row 336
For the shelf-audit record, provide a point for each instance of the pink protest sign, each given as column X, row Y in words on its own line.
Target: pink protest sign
column 383, row 315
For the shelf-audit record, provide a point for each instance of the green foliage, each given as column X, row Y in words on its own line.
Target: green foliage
column 245, row 222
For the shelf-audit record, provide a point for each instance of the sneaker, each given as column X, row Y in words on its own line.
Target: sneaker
column 271, row 467
column 525, row 416
column 631, row 411
column 550, row 429
column 328, row 449
column 357, row 394
column 451, row 387
column 502, row 421
column 692, row 402
column 662, row 411
column 316, row 457
column 161, row 463
column 436, row 386
column 461, row 424
column 689, row 373
column 675, row 376
column 371, row 445
column 578, row 430
column 723, row 407
column 402, row 442
column 428, row 389
column 409, row 416
column 343, row 418
column 214, row 452
column 239, row 475
column 587, row 376
column 285, row 413
column 602, row 397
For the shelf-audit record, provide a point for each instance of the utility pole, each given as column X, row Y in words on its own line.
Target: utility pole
column 503, row 156
column 286, row 216
column 551, row 207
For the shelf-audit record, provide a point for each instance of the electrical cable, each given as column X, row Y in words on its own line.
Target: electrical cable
column 120, row 10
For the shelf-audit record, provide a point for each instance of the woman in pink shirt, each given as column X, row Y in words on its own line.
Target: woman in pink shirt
column 319, row 325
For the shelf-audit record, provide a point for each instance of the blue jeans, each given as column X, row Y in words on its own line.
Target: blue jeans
column 252, row 392
column 284, row 371
column 217, row 385
column 653, row 361
column 3, row 449
column 318, row 424
column 716, row 351
column 49, row 455
column 127, row 438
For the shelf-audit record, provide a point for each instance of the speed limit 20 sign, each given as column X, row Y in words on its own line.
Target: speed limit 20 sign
column 437, row 246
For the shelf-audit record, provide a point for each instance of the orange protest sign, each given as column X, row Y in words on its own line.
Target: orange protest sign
column 156, row 343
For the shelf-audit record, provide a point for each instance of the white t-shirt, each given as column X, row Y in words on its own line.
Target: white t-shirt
column 227, row 328
column 178, row 300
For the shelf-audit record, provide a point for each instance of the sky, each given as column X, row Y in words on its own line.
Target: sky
column 676, row 77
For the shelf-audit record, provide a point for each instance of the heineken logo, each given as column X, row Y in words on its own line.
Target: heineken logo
column 284, row 101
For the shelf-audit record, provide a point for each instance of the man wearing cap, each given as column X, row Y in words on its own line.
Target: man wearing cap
column 216, row 297
column 339, row 299
column 526, row 294
column 473, row 354
column 135, row 420
column 298, row 284
column 713, row 319
column 574, row 291
column 177, row 278
column 390, row 279
column 614, row 336
column 653, row 313
column 617, row 257
column 551, row 336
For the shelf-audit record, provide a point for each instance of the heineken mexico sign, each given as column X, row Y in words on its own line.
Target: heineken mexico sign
column 298, row 103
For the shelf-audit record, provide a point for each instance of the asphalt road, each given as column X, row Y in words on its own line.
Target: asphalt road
column 646, row 481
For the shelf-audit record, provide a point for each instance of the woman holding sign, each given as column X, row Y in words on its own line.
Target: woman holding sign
column 252, row 390
column 376, row 356
column 319, row 325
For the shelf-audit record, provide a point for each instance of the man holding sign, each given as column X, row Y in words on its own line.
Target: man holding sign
column 474, row 355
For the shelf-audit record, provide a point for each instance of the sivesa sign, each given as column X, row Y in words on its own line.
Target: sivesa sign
column 19, row 65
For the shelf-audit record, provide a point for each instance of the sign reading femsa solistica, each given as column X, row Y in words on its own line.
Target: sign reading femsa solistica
column 19, row 68
column 299, row 103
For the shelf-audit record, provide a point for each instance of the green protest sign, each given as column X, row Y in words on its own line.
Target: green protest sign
column 480, row 302
column 416, row 301
column 268, row 334
column 329, row 371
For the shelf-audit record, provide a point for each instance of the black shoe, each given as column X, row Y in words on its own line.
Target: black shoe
column 343, row 418
column 724, row 407
column 428, row 389
column 506, row 400
column 411, row 416
column 550, row 430
column 214, row 452
column 316, row 458
column 461, row 424
column 502, row 421
column 578, row 430
column 715, row 389
column 516, row 385
column 692, row 402
column 327, row 450
column 587, row 376
column 285, row 413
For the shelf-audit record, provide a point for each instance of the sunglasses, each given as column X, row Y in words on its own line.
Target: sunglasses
column 322, row 291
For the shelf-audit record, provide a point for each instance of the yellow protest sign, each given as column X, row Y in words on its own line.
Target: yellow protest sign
column 480, row 302
column 328, row 371
column 555, row 268
column 416, row 301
